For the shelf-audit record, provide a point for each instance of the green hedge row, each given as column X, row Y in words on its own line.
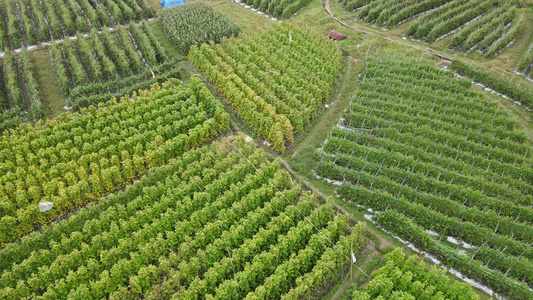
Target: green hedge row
column 498, row 84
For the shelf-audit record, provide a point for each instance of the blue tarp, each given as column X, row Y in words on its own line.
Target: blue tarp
column 170, row 3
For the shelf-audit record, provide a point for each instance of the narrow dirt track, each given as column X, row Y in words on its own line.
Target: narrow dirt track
column 364, row 31
column 383, row 243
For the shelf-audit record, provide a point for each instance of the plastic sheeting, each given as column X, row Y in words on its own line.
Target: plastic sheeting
column 170, row 3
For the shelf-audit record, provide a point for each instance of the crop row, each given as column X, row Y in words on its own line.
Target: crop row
column 476, row 32
column 194, row 24
column 447, row 18
column 524, row 65
column 214, row 221
column 29, row 22
column 402, row 278
column 105, row 58
column 81, row 157
column 276, row 81
column 486, row 26
column 445, row 185
column 496, row 83
column 20, row 87
column 281, row 9
column 94, row 93
column 414, row 156
column 472, row 268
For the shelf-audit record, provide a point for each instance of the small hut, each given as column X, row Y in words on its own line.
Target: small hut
column 334, row 34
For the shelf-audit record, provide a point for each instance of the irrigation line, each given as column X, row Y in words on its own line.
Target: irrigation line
column 340, row 287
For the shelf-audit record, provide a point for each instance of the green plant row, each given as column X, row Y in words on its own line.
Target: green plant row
column 498, row 84
column 495, row 125
column 477, row 32
column 214, row 243
column 21, row 87
column 456, row 22
column 451, row 207
column 276, row 81
column 446, row 158
column 454, row 185
column 44, row 21
column 390, row 14
column 525, row 62
column 505, row 40
column 401, row 278
column 79, row 158
column 474, row 24
column 473, row 269
column 196, row 221
column 454, row 139
column 103, row 61
column 190, row 213
column 281, row 9
column 194, row 24
column 102, row 92
column 422, row 27
column 428, row 218
column 14, row 253
column 456, row 168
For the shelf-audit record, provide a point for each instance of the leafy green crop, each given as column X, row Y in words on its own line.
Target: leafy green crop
column 194, row 24
column 420, row 146
column 207, row 223
column 43, row 21
column 81, row 156
column 402, row 278
column 275, row 80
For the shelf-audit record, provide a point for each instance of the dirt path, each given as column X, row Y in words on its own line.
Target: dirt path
column 383, row 243
column 369, row 32
column 338, row 102
column 369, row 254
